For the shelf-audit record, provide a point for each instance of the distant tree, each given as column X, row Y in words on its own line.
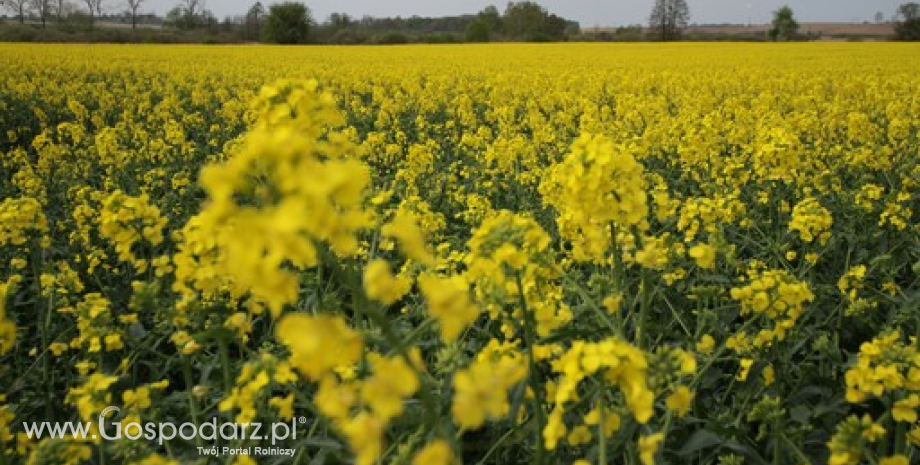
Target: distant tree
column 209, row 20
column 487, row 22
column 20, row 7
column 174, row 18
column 785, row 27
column 909, row 11
column 907, row 26
column 522, row 19
column 287, row 23
column 133, row 6
column 74, row 18
column 233, row 24
column 554, row 27
column 477, row 31
column 530, row 21
column 631, row 33
column 94, row 7
column 191, row 7
column 254, row 19
column 669, row 18
column 391, row 38
column 491, row 18
column 42, row 8
column 339, row 21
column 188, row 14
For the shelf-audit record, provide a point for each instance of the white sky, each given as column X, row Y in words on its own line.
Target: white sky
column 588, row 12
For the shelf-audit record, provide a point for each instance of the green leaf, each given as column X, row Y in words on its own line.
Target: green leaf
column 701, row 439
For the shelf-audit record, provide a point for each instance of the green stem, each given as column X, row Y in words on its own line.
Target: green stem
column 225, row 364
column 496, row 444
column 418, row 331
column 394, row 340
column 716, row 355
column 644, row 305
column 583, row 293
column 369, row 310
column 617, row 262
column 795, row 449
column 776, row 441
column 602, row 447
column 44, row 328
column 535, row 386
column 189, row 389
column 668, row 419
column 4, row 459
column 900, row 438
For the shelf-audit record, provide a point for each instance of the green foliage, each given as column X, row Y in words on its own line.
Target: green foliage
column 287, row 23
column 254, row 20
column 347, row 37
column 669, row 18
column 491, row 17
column 20, row 8
column 908, row 27
column 477, row 31
column 391, row 38
column 77, row 22
column 532, row 22
column 488, row 22
column 77, row 33
column 785, row 27
column 440, row 38
column 186, row 19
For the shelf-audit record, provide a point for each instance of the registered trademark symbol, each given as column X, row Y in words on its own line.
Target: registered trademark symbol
column 302, row 420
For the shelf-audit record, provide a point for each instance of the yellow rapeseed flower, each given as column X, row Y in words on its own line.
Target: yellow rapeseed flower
column 704, row 254
column 449, row 303
column 680, row 400
column 648, row 447
column 437, row 452
column 381, row 285
column 318, row 343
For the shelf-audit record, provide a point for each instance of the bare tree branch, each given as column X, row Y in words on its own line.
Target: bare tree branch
column 669, row 17
column 133, row 6
column 94, row 6
column 42, row 8
column 20, row 7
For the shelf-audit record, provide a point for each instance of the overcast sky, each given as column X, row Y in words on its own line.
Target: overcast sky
column 587, row 12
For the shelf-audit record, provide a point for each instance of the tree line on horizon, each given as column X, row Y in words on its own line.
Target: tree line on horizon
column 291, row 22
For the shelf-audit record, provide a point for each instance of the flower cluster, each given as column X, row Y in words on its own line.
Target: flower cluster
column 7, row 326
column 886, row 365
column 449, row 303
column 126, row 221
column 509, row 261
column 847, row 445
column 598, row 185
column 290, row 187
column 360, row 409
column 22, row 219
column 256, row 379
column 811, row 221
column 481, row 389
column 776, row 295
column 618, row 364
